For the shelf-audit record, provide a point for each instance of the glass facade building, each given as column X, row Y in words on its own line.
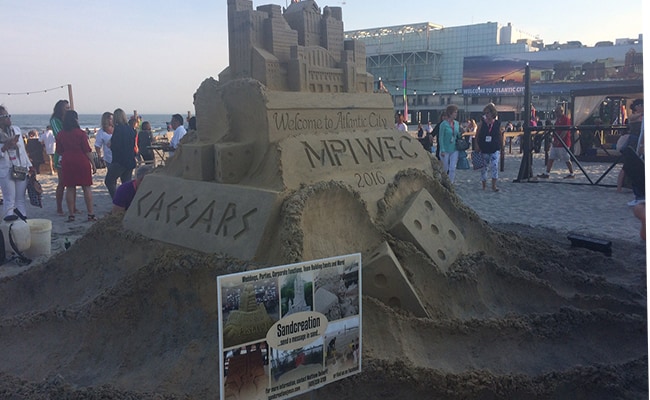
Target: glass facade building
column 427, row 66
column 429, row 58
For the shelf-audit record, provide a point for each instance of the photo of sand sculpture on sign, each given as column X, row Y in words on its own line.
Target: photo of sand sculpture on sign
column 249, row 322
column 295, row 158
column 337, row 291
column 300, row 294
column 248, row 371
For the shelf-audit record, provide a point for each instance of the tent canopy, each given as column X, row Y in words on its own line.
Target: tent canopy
column 585, row 101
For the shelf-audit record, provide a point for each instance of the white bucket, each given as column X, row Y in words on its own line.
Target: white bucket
column 41, row 238
column 19, row 233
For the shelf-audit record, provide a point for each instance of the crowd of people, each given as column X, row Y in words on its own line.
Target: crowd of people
column 121, row 144
column 446, row 139
column 448, row 135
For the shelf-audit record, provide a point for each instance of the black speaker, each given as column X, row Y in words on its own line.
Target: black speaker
column 601, row 245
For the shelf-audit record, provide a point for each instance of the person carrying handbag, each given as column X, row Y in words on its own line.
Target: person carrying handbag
column 14, row 164
column 488, row 141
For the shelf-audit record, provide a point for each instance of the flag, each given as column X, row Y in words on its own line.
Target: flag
column 406, row 103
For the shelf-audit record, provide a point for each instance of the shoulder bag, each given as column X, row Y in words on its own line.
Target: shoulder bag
column 478, row 162
column 18, row 172
column 462, row 144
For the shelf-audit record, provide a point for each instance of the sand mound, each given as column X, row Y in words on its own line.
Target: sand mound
column 524, row 316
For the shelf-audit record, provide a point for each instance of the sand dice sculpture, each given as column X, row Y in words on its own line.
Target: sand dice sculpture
column 293, row 135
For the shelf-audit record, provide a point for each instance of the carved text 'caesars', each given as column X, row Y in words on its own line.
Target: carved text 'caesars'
column 287, row 121
column 368, row 150
column 226, row 220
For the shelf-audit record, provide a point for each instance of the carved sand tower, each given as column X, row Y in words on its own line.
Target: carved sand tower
column 249, row 322
column 293, row 151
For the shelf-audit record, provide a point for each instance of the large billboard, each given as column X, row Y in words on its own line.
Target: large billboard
column 290, row 329
column 553, row 71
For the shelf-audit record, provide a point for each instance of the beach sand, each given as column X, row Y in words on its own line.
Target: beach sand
column 63, row 230
column 121, row 316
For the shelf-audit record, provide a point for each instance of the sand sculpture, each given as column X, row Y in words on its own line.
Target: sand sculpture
column 298, row 303
column 249, row 322
column 294, row 109
column 333, row 297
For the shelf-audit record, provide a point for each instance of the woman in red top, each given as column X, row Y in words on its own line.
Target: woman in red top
column 77, row 166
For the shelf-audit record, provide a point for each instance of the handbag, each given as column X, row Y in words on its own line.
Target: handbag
column 34, row 191
column 462, row 144
column 478, row 161
column 99, row 162
column 18, row 173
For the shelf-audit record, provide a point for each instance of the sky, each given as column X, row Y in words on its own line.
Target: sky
column 152, row 55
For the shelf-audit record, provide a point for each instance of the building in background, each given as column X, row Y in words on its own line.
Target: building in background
column 429, row 66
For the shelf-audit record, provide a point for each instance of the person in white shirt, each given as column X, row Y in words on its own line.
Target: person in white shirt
column 401, row 124
column 103, row 138
column 103, row 142
column 49, row 142
column 12, row 155
column 179, row 132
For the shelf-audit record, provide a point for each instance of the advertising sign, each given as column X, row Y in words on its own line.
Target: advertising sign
column 289, row 329
column 553, row 71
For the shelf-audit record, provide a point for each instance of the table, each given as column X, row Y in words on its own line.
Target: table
column 160, row 151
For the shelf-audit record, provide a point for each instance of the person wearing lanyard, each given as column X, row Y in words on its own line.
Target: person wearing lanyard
column 12, row 153
column 449, row 133
column 489, row 144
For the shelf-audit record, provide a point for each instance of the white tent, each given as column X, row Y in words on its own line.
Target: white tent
column 586, row 101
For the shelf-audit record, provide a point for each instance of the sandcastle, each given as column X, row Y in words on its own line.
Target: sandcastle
column 295, row 111
column 247, row 323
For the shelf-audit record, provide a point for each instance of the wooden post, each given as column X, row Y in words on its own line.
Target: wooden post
column 70, row 99
column 526, row 166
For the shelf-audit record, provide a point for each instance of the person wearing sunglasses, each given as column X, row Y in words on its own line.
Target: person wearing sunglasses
column 12, row 156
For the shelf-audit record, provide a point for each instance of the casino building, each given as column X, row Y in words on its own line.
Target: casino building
column 426, row 66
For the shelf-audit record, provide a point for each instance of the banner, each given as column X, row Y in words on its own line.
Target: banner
column 290, row 329
column 553, row 72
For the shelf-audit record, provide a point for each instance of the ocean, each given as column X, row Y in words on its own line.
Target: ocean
column 27, row 122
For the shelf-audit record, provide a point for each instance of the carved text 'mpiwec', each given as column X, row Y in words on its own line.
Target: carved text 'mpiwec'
column 357, row 151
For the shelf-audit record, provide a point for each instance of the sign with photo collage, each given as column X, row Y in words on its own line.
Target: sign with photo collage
column 287, row 330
